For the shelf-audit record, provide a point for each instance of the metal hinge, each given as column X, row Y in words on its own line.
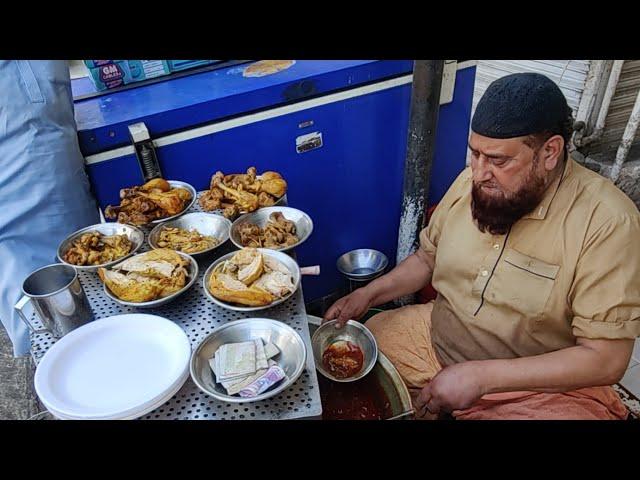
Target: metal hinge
column 145, row 151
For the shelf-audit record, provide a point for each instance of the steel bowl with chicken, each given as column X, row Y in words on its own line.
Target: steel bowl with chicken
column 276, row 228
column 196, row 233
column 100, row 245
column 156, row 201
column 150, row 279
column 251, row 279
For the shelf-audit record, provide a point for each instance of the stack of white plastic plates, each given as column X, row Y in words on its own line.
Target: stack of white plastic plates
column 116, row 368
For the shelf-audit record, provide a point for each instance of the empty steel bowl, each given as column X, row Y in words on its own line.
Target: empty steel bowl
column 135, row 235
column 362, row 264
column 354, row 332
column 292, row 356
column 186, row 186
column 205, row 223
column 193, row 275
column 304, row 224
column 283, row 258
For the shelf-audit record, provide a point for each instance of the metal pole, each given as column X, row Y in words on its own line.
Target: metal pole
column 627, row 139
column 423, row 120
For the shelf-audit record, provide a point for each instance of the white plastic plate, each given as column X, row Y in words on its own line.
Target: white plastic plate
column 114, row 368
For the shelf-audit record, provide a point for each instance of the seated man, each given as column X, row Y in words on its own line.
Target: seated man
column 536, row 261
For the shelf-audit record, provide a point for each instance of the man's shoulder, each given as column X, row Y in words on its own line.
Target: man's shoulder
column 600, row 196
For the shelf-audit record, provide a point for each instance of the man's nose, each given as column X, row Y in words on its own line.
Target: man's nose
column 481, row 170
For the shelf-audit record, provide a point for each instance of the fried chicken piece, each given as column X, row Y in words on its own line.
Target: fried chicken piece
column 244, row 200
column 250, row 278
column 275, row 186
column 230, row 211
column 265, row 200
column 251, row 272
column 244, row 257
column 211, row 200
column 276, row 283
column 170, row 201
column 228, row 289
column 183, row 194
column 156, row 184
column 152, row 201
column 133, row 218
column 246, row 180
column 215, row 179
column 277, row 233
column 278, row 220
column 148, row 276
column 128, row 289
column 268, row 175
column 250, row 235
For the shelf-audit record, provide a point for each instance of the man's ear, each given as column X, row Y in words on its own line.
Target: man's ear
column 551, row 151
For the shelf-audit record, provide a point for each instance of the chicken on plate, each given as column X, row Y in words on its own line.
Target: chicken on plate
column 277, row 233
column 148, row 276
column 154, row 200
column 242, row 193
column 94, row 248
column 250, row 278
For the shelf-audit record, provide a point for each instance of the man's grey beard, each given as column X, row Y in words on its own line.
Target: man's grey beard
column 496, row 215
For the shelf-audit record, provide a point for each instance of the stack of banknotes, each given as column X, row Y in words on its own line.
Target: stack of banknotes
column 246, row 368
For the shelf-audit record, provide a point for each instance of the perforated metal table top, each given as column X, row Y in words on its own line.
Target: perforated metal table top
column 198, row 316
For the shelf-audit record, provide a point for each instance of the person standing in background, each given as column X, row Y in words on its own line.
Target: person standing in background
column 44, row 191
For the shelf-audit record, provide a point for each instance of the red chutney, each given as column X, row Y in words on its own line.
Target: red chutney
column 343, row 359
column 363, row 399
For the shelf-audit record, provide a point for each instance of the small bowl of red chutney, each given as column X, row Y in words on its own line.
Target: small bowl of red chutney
column 344, row 354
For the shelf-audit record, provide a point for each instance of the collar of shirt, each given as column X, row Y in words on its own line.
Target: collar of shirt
column 540, row 211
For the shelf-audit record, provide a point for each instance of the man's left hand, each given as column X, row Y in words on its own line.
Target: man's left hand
column 454, row 388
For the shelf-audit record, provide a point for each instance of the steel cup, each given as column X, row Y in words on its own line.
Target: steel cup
column 57, row 296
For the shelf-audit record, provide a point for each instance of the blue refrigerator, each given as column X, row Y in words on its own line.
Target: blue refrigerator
column 335, row 129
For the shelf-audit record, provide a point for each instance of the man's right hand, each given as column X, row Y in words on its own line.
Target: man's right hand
column 351, row 307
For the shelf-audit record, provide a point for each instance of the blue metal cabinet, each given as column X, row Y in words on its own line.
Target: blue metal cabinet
column 351, row 186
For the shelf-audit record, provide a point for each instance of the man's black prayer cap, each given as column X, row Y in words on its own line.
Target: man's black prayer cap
column 520, row 104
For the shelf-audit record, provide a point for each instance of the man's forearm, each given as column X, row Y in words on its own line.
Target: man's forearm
column 413, row 273
column 560, row 371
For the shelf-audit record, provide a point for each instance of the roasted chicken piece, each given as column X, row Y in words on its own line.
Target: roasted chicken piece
column 244, row 200
column 230, row 211
column 228, row 289
column 276, row 187
column 148, row 276
column 251, row 269
column 171, row 202
column 156, row 184
column 152, row 201
column 246, row 191
column 265, row 200
column 211, row 199
column 276, row 283
column 250, row 235
column 250, row 278
column 277, row 233
column 247, row 180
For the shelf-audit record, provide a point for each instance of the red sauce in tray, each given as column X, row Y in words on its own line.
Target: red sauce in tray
column 363, row 399
column 343, row 359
